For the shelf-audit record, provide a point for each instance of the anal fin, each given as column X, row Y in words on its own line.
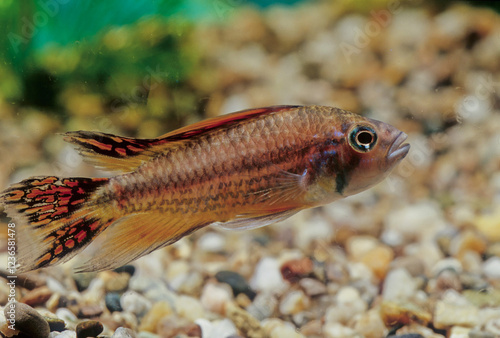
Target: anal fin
column 135, row 236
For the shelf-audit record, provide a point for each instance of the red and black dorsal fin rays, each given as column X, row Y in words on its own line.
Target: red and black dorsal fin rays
column 110, row 152
column 56, row 218
column 125, row 154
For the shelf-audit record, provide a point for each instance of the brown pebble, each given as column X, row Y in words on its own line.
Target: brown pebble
column 394, row 314
column 27, row 320
column 295, row 269
column 172, row 326
column 378, row 260
column 55, row 324
column 313, row 328
column 89, row 311
column 88, row 328
column 158, row 311
column 36, row 297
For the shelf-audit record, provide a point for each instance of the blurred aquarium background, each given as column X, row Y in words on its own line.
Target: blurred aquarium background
column 143, row 68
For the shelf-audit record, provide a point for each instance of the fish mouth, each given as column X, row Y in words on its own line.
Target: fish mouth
column 398, row 150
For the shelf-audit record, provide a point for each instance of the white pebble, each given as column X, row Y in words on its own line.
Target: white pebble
column 215, row 296
column 134, row 302
column 189, row 308
column 336, row 330
column 212, row 242
column 491, row 268
column 399, row 285
column 267, row 276
column 216, row 329
column 64, row 334
column 122, row 332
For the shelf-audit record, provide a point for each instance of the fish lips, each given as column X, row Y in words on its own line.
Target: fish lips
column 398, row 149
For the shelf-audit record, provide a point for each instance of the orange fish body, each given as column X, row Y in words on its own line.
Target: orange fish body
column 241, row 170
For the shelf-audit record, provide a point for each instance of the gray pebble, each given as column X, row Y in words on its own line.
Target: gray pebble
column 27, row 320
column 237, row 283
column 112, row 300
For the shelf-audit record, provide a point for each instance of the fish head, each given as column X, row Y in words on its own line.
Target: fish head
column 372, row 149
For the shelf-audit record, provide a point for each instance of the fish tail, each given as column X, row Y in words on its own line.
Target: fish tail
column 55, row 218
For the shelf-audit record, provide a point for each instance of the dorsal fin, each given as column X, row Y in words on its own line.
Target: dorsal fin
column 116, row 153
column 219, row 122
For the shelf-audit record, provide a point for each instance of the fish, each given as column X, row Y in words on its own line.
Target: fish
column 237, row 171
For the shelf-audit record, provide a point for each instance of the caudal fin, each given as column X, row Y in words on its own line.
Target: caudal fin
column 55, row 218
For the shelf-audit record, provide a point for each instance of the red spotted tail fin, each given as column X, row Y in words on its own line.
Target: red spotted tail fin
column 55, row 218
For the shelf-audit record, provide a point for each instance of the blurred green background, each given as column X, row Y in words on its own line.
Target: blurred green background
column 98, row 57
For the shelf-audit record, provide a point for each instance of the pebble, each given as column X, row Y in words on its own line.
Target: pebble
column 467, row 241
column 276, row 328
column 295, row 269
column 215, row 296
column 493, row 326
column 216, row 329
column 370, row 324
column 403, row 313
column 263, row 306
column 129, row 269
column 112, row 300
column 459, row 332
column 212, row 242
column 189, row 308
column 336, row 330
column 448, row 314
column 69, row 318
column 134, row 302
column 88, row 328
column 172, row 326
column 294, row 302
column 237, row 283
column 413, row 265
column 312, row 287
column 488, row 225
column 90, row 311
column 55, row 324
column 37, row 297
column 491, row 268
column 267, row 276
column 118, row 283
column 348, row 303
column 246, row 323
column 63, row 334
column 378, row 260
column 421, row 221
column 155, row 314
column 123, row 332
column 399, row 285
column 27, row 320
column 83, row 280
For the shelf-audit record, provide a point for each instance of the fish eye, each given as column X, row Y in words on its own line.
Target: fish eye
column 362, row 138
